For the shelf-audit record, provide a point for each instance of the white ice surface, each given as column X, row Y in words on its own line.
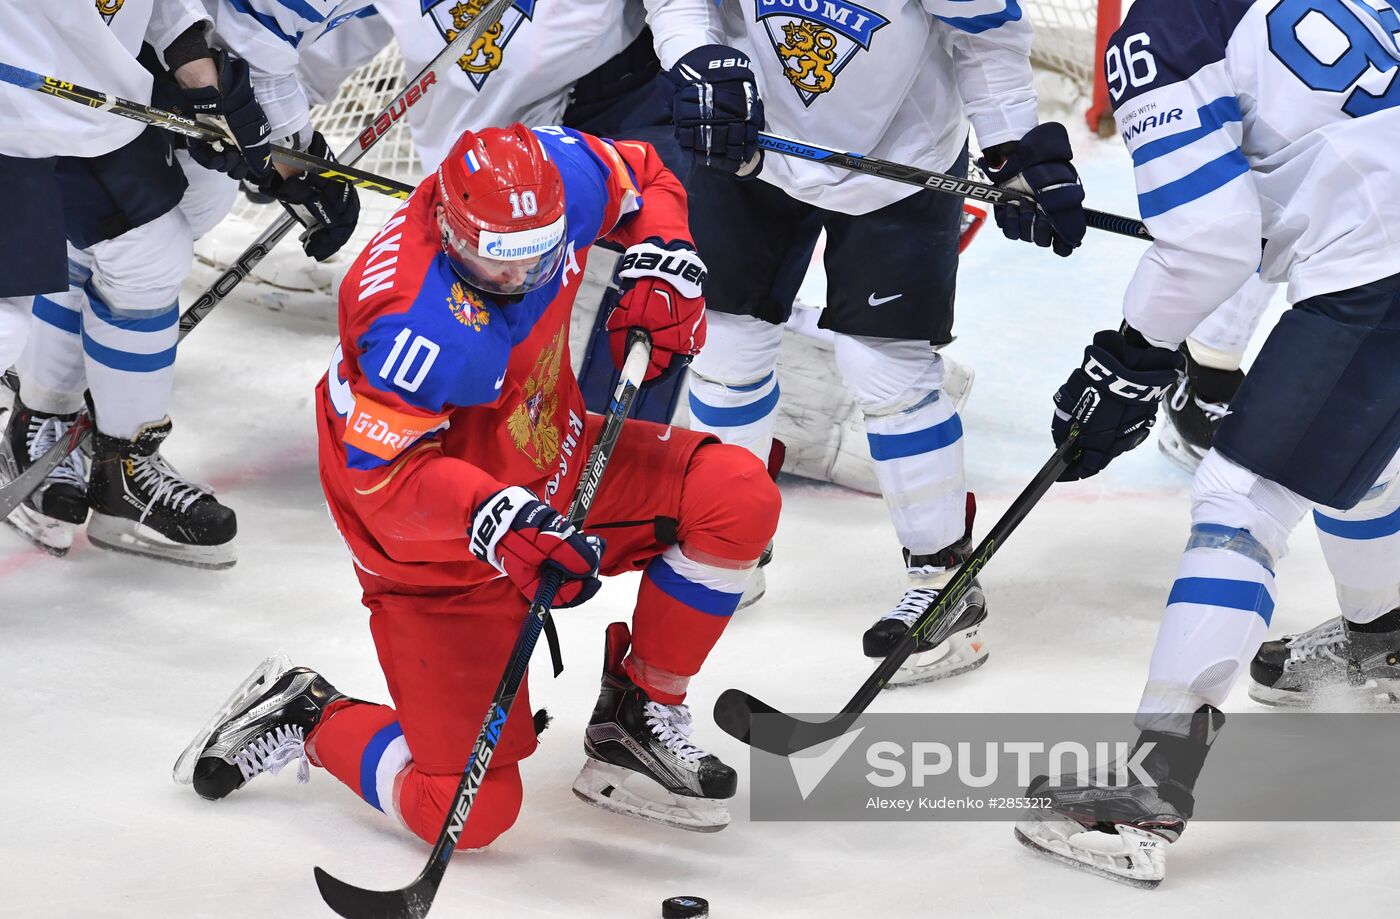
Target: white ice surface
column 109, row 663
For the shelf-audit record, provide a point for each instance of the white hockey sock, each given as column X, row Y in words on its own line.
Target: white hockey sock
column 733, row 385
column 915, row 436
column 130, row 361
column 14, row 329
column 1362, row 549
column 1216, row 617
column 51, row 368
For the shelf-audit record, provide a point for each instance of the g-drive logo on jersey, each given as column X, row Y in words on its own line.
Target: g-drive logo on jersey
column 488, row 52
column 816, row 39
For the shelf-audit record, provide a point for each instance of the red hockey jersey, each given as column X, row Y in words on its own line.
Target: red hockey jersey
column 438, row 396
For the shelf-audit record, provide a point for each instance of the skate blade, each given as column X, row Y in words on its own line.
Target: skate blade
column 1177, row 451
column 121, row 535
column 606, row 786
column 53, row 536
column 1374, row 695
column 1143, row 866
column 257, row 683
column 942, row 661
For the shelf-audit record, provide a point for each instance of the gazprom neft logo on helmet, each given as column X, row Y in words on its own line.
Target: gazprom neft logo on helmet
column 521, row 244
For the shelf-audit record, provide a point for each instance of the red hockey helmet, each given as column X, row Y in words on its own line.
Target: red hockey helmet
column 501, row 210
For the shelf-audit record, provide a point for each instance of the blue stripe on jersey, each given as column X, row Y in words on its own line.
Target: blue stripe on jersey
column 696, row 596
column 721, row 417
column 1214, row 116
column 983, row 23
column 898, row 446
column 266, row 21
column 1377, row 528
column 1249, row 596
column 1213, row 175
column 57, row 316
column 369, row 762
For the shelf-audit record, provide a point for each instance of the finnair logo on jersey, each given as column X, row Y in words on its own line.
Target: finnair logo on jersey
column 816, row 39
column 487, row 53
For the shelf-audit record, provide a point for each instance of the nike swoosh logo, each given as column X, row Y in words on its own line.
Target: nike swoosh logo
column 169, row 156
column 876, row 301
column 501, row 381
column 666, row 436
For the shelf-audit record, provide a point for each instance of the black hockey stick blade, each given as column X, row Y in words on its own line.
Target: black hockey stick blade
column 785, row 735
column 782, row 734
column 411, row 902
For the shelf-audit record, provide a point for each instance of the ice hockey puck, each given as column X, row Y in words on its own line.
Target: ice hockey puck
column 684, row 907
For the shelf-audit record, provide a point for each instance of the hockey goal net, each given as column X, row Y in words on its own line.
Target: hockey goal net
column 1068, row 55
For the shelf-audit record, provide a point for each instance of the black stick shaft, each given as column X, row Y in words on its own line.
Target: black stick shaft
column 939, row 181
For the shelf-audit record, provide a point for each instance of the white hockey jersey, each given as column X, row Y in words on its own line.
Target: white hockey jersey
column 272, row 35
column 896, row 79
column 521, row 70
column 93, row 44
column 1250, row 120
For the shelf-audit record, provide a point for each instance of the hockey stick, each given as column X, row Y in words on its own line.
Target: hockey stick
column 13, row 493
column 784, row 735
column 189, row 127
column 414, row 901
column 939, row 181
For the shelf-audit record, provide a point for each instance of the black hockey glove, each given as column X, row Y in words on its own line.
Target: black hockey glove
column 1039, row 164
column 1113, row 397
column 717, row 111
column 328, row 209
column 233, row 101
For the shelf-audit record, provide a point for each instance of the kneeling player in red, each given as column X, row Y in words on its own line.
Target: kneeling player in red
column 451, row 432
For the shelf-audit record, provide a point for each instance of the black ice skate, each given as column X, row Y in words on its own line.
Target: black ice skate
column 261, row 728
column 964, row 650
column 641, row 762
column 49, row 516
column 1194, row 412
column 1336, row 663
column 143, row 506
column 1122, row 833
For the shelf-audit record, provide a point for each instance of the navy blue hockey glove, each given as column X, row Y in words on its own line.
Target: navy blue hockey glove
column 522, row 537
column 233, row 101
column 1039, row 164
column 717, row 111
column 327, row 209
column 1113, row 397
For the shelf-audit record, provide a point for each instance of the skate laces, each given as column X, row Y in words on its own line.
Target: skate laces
column 671, row 724
column 43, row 434
column 1316, row 643
column 166, row 485
column 1212, row 410
column 916, row 601
column 273, row 751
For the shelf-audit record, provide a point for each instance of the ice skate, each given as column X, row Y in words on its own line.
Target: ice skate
column 50, row 515
column 1199, row 403
column 962, row 651
column 261, row 728
column 1334, row 662
column 641, row 762
column 1122, row 833
column 141, row 505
